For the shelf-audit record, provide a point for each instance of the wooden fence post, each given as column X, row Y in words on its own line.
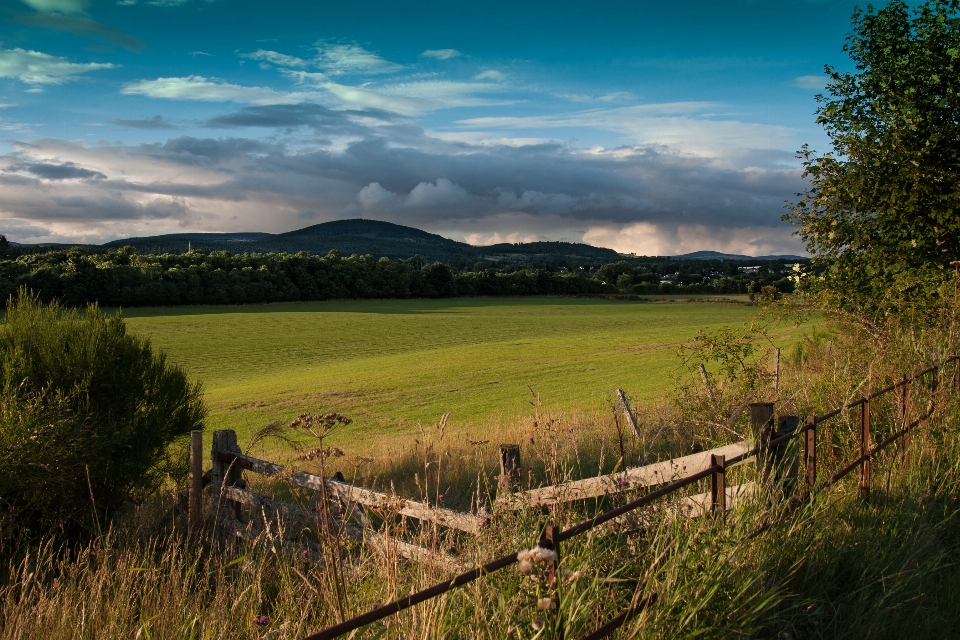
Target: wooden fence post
column 628, row 414
column 761, row 422
column 865, row 449
column 223, row 474
column 718, row 485
column 509, row 466
column 195, row 495
column 905, row 416
column 810, row 454
column 785, row 457
column 776, row 369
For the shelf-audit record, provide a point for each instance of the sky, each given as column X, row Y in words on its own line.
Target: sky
column 655, row 128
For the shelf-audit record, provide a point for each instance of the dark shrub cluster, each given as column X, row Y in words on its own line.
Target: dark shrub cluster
column 87, row 416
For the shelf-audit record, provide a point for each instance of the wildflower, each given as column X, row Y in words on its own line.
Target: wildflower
column 304, row 553
column 531, row 439
column 261, row 620
column 537, row 624
column 440, row 498
column 545, row 604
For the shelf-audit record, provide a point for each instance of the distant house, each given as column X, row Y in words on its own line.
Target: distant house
column 749, row 269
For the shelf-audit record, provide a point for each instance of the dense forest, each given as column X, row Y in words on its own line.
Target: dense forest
column 123, row 277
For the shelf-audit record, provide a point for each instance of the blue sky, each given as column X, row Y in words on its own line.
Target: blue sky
column 648, row 127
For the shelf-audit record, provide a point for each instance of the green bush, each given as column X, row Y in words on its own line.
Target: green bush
column 88, row 415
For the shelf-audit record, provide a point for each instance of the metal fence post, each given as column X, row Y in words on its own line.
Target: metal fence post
column 550, row 539
column 865, row 449
column 718, row 485
column 810, row 454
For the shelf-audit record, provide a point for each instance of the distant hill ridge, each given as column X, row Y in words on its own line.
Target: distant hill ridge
column 363, row 237
column 386, row 239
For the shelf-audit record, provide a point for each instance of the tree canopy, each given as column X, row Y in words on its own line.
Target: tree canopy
column 882, row 211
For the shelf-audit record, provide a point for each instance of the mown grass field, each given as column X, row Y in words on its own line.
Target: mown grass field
column 391, row 364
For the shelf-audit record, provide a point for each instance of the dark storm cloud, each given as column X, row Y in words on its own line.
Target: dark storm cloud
column 66, row 171
column 315, row 116
column 437, row 185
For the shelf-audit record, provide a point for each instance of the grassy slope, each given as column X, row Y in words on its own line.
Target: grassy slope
column 390, row 364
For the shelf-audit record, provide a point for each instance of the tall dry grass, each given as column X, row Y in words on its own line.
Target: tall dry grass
column 833, row 568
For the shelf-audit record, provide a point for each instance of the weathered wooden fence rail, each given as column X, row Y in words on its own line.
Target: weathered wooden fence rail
column 778, row 461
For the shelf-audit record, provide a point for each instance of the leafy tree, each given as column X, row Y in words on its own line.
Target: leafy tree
column 87, row 416
column 882, row 212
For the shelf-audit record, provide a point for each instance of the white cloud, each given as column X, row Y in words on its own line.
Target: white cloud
column 200, row 88
column 441, row 193
column 373, row 198
column 810, row 82
column 341, row 59
column 687, row 126
column 34, row 67
column 491, row 74
column 58, row 6
column 441, row 54
column 616, row 96
column 366, row 98
column 200, row 53
column 279, row 59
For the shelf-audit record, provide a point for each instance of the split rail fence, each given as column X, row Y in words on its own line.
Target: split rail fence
column 776, row 458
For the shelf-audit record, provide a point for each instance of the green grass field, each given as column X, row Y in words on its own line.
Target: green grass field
column 390, row 364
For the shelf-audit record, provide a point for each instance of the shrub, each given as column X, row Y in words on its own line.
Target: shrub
column 88, row 414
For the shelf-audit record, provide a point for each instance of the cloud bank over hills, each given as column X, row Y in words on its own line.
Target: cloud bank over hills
column 229, row 133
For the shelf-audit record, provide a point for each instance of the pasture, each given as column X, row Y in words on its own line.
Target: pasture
column 391, row 364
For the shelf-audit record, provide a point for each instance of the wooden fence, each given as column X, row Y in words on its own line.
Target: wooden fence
column 773, row 452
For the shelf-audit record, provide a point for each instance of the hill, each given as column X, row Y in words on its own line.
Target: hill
column 716, row 255
column 359, row 236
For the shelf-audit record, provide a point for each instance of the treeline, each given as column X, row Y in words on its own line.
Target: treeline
column 122, row 277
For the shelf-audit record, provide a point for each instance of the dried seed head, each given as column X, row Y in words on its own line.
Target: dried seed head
column 526, row 567
column 545, row 604
column 570, row 576
column 539, row 554
column 523, row 555
column 537, row 624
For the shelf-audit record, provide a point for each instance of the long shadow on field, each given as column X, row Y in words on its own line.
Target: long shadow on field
column 386, row 307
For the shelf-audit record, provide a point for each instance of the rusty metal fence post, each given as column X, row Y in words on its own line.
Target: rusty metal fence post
column 550, row 539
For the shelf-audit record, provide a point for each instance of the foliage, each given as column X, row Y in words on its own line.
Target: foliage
column 87, row 413
column 122, row 277
column 882, row 212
